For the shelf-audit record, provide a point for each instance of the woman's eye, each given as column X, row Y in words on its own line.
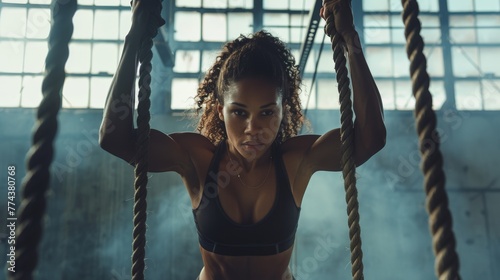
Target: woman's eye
column 267, row 113
column 239, row 112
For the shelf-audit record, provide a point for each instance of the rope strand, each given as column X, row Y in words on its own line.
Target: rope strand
column 347, row 147
column 39, row 158
column 142, row 150
column 440, row 220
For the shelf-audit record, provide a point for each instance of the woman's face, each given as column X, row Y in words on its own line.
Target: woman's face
column 252, row 114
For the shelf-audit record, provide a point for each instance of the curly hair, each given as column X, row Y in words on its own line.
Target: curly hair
column 259, row 55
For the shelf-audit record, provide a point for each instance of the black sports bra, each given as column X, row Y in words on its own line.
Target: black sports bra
column 273, row 234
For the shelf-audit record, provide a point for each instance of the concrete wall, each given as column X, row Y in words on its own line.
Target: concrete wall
column 88, row 229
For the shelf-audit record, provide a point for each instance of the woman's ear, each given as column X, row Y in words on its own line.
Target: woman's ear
column 220, row 112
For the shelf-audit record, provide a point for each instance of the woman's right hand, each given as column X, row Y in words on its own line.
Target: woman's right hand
column 146, row 18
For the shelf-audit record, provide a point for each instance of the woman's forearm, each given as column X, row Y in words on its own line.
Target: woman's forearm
column 117, row 129
column 369, row 125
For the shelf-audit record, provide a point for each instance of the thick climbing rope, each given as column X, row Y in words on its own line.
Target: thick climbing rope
column 142, row 145
column 440, row 220
column 39, row 158
column 347, row 144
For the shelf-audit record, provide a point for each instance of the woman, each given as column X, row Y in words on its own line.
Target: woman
column 246, row 171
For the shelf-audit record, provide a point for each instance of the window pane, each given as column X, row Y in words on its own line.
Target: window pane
column 298, row 31
column 308, row 94
column 31, row 91
column 386, row 89
column 38, row 23
column 377, row 35
column 275, row 19
column 377, row 20
column 275, row 4
column 465, row 61
column 106, row 25
column 397, row 21
column 11, row 91
column 328, row 94
column 246, row 4
column 208, row 59
column 468, row 95
column 326, row 63
column 183, row 92
column 104, row 58
column 13, row 22
column 488, row 35
column 398, row 36
column 438, row 92
column 219, row 4
column 34, row 60
column 489, row 60
column 380, row 60
column 463, row 35
column 404, row 95
column 11, row 56
column 394, row 5
column 187, row 26
column 40, row 1
column 187, row 61
column 83, row 23
column 125, row 23
column 488, row 20
column 311, row 61
column 107, row 3
column 188, row 3
column 98, row 91
column 214, row 27
column 491, row 94
column 435, row 64
column 281, row 32
column 402, row 64
column 75, row 92
column 381, row 5
column 303, row 5
column 239, row 23
column 463, row 5
column 487, row 5
column 431, row 35
column 462, row 21
column 429, row 21
column 297, row 35
column 79, row 58
column 428, row 5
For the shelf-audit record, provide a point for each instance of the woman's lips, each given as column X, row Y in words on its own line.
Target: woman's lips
column 253, row 145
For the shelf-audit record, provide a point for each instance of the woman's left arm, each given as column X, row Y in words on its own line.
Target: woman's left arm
column 323, row 152
column 369, row 128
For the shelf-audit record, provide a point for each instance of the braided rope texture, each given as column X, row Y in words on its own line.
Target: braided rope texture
column 347, row 147
column 39, row 158
column 440, row 220
column 143, row 130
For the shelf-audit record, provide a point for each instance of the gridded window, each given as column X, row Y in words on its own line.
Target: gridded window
column 99, row 28
column 185, row 89
column 475, row 45
column 187, row 61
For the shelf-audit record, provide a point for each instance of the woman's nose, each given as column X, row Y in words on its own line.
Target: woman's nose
column 253, row 126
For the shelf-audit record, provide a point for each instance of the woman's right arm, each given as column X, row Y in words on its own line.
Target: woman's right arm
column 117, row 134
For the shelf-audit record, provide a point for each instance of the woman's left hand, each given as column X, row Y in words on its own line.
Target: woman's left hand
column 342, row 14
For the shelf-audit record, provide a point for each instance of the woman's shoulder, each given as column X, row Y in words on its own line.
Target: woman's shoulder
column 193, row 141
column 299, row 144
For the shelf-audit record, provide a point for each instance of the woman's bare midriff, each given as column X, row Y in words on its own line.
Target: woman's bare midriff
column 220, row 267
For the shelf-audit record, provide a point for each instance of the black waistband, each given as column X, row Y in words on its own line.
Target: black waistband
column 246, row 249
